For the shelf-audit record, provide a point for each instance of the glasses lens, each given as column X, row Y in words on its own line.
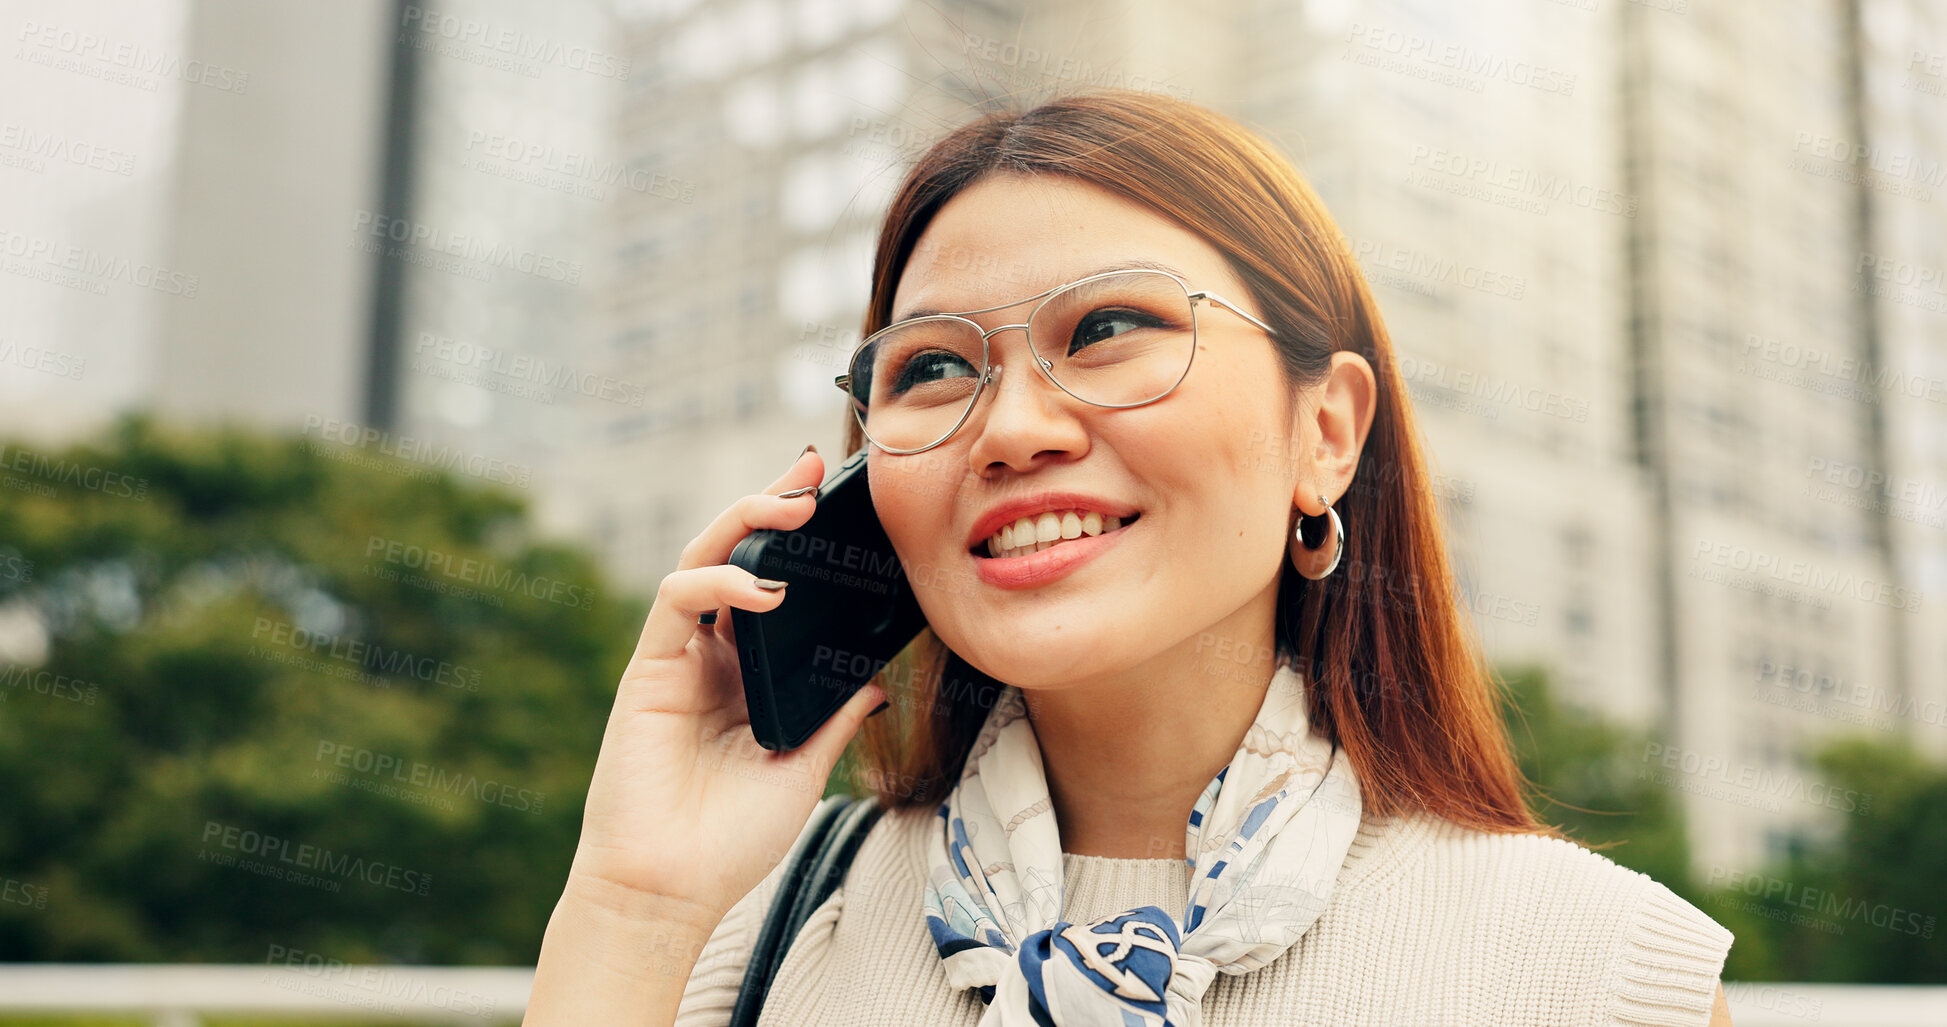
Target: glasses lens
column 1117, row 340
column 913, row 382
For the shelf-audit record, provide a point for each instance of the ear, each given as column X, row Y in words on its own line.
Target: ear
column 1338, row 414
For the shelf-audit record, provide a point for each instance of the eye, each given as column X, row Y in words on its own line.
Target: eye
column 1101, row 324
column 931, row 366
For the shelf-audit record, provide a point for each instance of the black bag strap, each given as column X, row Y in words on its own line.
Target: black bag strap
column 813, row 870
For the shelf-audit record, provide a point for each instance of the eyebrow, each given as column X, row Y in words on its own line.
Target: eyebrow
column 1127, row 265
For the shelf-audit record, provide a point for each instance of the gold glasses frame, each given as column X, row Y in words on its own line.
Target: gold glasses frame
column 990, row 372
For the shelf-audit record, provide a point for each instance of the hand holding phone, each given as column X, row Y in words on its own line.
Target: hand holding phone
column 850, row 611
column 683, row 804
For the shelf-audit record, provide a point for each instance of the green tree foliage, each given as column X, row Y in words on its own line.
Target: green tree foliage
column 224, row 648
column 1588, row 781
column 1860, row 907
column 1865, row 904
column 370, row 680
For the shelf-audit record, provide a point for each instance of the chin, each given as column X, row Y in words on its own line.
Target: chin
column 1038, row 659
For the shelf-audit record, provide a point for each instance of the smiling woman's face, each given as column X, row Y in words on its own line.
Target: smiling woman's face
column 1208, row 470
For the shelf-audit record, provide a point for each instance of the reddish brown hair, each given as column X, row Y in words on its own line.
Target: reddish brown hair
column 1396, row 674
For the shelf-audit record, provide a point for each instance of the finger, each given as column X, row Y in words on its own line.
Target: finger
column 827, row 743
column 685, row 594
column 762, row 510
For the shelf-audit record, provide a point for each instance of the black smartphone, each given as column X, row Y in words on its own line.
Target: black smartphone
column 848, row 610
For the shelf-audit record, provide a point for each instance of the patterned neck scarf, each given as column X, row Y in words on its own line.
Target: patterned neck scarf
column 1264, row 842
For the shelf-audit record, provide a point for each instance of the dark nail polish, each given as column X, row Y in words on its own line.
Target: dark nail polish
column 876, row 710
column 770, row 584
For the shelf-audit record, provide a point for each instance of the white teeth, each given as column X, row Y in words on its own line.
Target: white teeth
column 1033, row 534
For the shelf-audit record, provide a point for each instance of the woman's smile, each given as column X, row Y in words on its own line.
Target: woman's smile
column 1045, row 561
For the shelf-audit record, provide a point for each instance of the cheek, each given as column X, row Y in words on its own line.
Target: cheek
column 912, row 501
column 1201, row 454
column 1222, row 473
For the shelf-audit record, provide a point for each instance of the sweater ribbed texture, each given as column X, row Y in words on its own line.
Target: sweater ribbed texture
column 1429, row 923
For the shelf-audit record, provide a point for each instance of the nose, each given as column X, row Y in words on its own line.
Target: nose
column 1016, row 425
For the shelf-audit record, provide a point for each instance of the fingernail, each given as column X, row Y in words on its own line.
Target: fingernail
column 770, row 584
column 808, row 448
column 808, row 490
column 876, row 710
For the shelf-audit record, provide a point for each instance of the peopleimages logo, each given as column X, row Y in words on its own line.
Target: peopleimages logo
column 1841, row 366
column 80, row 475
column 20, row 893
column 414, row 450
column 119, row 61
column 42, row 359
column 1822, row 901
column 479, row 572
column 424, row 775
column 64, row 149
column 93, row 264
column 513, row 42
column 1522, row 182
column 418, row 234
column 1891, row 163
column 528, row 368
column 1495, row 391
column 539, row 156
column 1439, row 270
column 1831, row 688
column 1811, row 577
column 279, row 858
column 48, row 683
column 367, row 656
column 1460, row 58
column 1745, row 781
column 386, row 990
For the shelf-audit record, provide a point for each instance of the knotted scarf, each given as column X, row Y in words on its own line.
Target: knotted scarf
column 1264, row 842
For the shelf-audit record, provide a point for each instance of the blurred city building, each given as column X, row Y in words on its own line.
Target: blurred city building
column 494, row 249
column 1787, row 395
column 175, row 201
column 1667, row 281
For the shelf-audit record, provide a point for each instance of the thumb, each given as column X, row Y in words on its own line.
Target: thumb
column 829, row 741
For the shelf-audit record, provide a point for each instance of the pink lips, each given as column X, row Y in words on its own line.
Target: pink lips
column 1036, row 503
column 1047, row 565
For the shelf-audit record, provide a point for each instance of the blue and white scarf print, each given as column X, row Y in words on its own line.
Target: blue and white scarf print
column 1264, row 843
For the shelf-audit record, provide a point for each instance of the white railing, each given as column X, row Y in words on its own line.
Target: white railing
column 1776, row 1004
column 177, row 995
column 173, row 995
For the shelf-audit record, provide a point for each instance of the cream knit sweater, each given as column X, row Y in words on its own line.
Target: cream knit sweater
column 1429, row 923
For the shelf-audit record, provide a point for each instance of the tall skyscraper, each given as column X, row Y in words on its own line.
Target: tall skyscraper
column 1779, row 400
column 491, row 244
column 173, row 185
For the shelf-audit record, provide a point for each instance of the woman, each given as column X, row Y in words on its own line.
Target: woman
column 1245, row 766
